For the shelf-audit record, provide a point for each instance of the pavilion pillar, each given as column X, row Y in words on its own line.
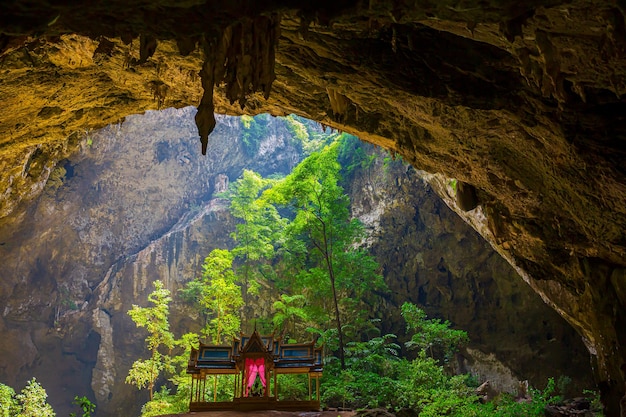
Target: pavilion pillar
column 191, row 390
column 317, row 388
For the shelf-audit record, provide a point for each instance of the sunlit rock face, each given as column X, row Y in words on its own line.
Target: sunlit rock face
column 523, row 103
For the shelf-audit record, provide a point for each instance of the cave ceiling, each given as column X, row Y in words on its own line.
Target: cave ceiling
column 522, row 102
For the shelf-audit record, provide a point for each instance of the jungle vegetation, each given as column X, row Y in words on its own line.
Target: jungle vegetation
column 299, row 255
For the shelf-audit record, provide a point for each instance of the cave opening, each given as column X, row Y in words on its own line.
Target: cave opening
column 519, row 102
column 127, row 178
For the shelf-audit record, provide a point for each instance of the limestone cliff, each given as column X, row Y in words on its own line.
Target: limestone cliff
column 430, row 257
column 521, row 102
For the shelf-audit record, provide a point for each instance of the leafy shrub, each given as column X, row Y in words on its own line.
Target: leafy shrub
column 8, row 403
column 292, row 387
column 432, row 333
column 33, row 401
column 164, row 402
column 84, row 404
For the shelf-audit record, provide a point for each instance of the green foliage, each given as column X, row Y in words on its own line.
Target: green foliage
column 297, row 129
column 353, row 153
column 365, row 383
column 507, row 406
column 292, row 387
column 164, row 402
column 254, row 131
column 167, row 401
column 562, row 383
column 434, row 392
column 307, row 134
column 392, row 160
column 220, row 296
column 8, row 403
column 155, row 318
column 376, row 377
column 287, row 311
column 431, row 333
column 261, row 222
column 596, row 403
column 319, row 242
column 452, row 184
column 33, row 401
column 144, row 373
column 259, row 228
column 177, row 402
column 246, row 121
column 85, row 405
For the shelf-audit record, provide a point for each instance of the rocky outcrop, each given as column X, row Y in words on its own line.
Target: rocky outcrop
column 522, row 102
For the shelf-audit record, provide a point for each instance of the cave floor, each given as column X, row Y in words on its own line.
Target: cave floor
column 267, row 413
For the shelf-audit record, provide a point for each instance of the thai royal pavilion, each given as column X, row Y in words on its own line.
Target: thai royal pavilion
column 255, row 361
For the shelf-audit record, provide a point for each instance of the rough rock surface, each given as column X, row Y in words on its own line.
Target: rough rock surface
column 430, row 257
column 523, row 102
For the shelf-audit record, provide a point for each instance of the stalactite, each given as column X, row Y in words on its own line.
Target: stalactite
column 147, row 47
column 338, row 103
column 243, row 59
column 205, row 117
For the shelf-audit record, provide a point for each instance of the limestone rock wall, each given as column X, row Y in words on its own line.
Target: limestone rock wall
column 431, row 257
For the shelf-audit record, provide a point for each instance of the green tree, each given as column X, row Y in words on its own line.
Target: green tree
column 155, row 319
column 287, row 310
column 221, row 296
column 165, row 402
column 84, row 404
column 322, row 238
column 33, row 401
column 255, row 235
column 431, row 333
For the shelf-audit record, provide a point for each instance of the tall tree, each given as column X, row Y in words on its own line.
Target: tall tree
column 221, row 296
column 156, row 321
column 255, row 235
column 322, row 237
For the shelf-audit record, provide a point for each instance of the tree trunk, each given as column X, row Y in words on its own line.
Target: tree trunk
column 338, row 319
